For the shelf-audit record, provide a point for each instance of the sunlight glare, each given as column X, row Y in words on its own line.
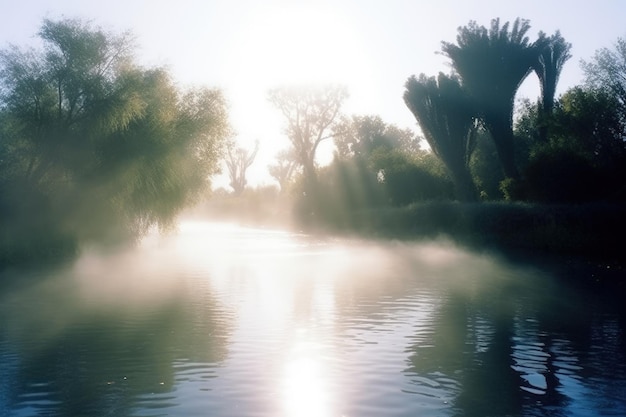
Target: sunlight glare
column 297, row 44
column 305, row 389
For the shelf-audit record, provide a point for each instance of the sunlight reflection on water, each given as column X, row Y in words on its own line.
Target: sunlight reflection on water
column 226, row 320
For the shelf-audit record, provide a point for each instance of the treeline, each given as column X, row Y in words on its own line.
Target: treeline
column 565, row 150
column 95, row 148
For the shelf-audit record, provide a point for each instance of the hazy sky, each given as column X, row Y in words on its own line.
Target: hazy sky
column 246, row 47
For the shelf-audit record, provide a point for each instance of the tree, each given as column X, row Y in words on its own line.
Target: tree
column 359, row 136
column 110, row 148
column 492, row 64
column 548, row 69
column 607, row 71
column 309, row 113
column 592, row 121
column 445, row 113
column 585, row 156
column 238, row 160
column 283, row 168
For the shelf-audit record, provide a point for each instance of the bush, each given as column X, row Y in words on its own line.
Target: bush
column 561, row 175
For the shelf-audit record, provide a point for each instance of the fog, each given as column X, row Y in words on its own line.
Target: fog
column 153, row 272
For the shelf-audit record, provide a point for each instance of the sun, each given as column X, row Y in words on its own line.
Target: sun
column 298, row 44
column 283, row 45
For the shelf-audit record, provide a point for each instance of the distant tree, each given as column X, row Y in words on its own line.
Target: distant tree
column 238, row 160
column 359, row 136
column 111, row 148
column 445, row 113
column 309, row 114
column 492, row 64
column 283, row 168
column 607, row 71
column 548, row 68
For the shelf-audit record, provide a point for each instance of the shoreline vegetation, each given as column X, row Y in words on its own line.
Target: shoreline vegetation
column 589, row 231
column 98, row 150
column 592, row 229
column 581, row 241
column 584, row 240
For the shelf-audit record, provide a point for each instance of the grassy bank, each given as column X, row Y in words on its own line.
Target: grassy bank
column 592, row 230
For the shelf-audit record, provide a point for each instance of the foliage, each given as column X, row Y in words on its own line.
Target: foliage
column 407, row 180
column 585, row 156
column 492, row 64
column 485, row 168
column 561, row 175
column 446, row 115
column 360, row 136
column 100, row 148
column 548, row 68
column 607, row 71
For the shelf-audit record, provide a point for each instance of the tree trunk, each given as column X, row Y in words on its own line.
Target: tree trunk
column 465, row 189
column 505, row 146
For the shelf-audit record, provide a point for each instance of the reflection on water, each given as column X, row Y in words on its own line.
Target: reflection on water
column 229, row 321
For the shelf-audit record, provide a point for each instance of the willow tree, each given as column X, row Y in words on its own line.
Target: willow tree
column 492, row 64
column 104, row 146
column 309, row 113
column 446, row 115
column 548, row 68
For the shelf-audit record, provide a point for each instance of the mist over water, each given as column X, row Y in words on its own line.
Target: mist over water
column 225, row 320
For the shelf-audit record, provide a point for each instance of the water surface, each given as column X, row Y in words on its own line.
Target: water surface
column 228, row 321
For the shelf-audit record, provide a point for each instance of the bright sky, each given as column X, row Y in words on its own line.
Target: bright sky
column 246, row 47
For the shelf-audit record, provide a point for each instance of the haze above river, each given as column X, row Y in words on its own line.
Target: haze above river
column 222, row 320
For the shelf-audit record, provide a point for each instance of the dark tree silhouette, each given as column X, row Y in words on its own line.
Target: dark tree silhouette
column 548, row 68
column 492, row 64
column 238, row 160
column 445, row 113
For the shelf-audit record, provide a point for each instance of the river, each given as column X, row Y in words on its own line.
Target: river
column 222, row 320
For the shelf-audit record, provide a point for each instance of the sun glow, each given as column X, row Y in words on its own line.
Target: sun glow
column 298, row 44
column 291, row 44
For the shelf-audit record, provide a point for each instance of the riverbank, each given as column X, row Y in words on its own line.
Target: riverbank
column 586, row 234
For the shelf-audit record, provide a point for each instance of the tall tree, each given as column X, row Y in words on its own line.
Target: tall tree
column 607, row 71
column 492, row 64
column 309, row 114
column 446, row 115
column 548, row 69
column 238, row 160
column 109, row 146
